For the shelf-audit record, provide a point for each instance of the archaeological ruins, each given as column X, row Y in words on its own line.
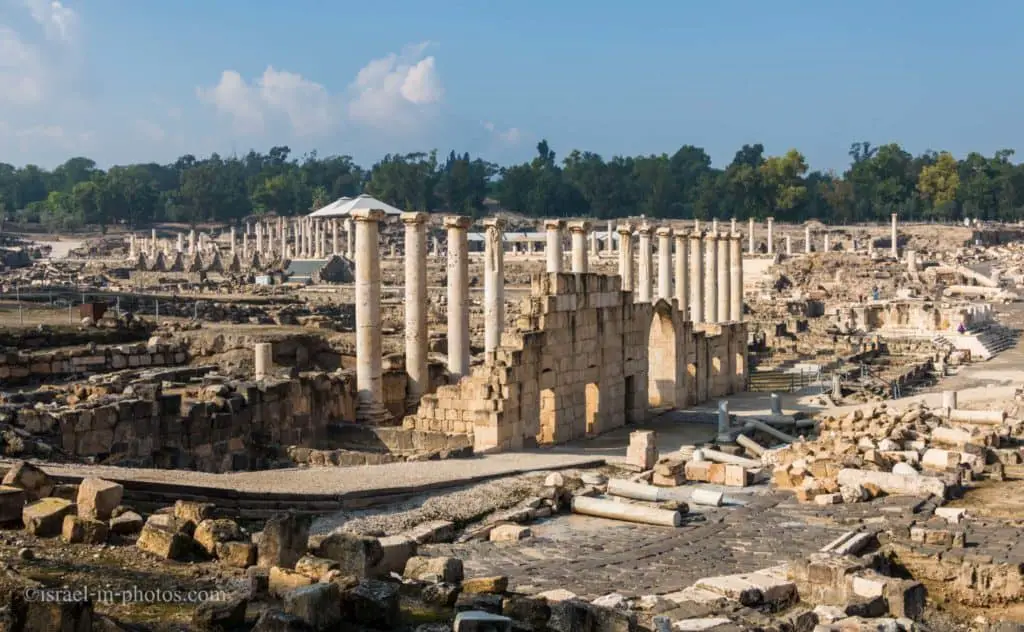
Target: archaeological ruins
column 384, row 420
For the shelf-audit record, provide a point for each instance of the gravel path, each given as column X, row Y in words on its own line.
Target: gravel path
column 341, row 480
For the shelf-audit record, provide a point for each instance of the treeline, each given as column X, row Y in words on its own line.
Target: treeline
column 879, row 181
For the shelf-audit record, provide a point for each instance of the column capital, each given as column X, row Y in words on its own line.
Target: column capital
column 457, row 221
column 414, row 217
column 368, row 215
column 645, row 229
column 737, row 236
column 554, row 224
column 681, row 233
column 711, row 236
column 578, row 226
column 696, row 235
column 895, row 215
column 624, row 229
column 769, row 219
column 495, row 222
column 664, row 231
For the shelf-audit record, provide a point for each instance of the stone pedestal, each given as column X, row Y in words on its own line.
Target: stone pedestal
column 736, row 278
column 553, row 248
column 696, row 277
column 642, row 453
column 264, row 359
column 682, row 240
column 711, row 278
column 416, row 334
column 626, row 256
column 665, row 263
column 724, row 295
column 578, row 232
column 494, row 282
column 369, row 364
column 645, row 278
column 458, row 295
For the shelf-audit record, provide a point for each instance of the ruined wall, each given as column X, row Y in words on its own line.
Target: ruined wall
column 921, row 315
column 582, row 360
column 18, row 367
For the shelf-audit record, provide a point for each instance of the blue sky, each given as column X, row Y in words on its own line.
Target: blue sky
column 124, row 81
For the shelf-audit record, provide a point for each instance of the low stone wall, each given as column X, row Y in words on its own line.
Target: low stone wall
column 18, row 368
column 51, row 337
column 146, row 277
column 225, row 425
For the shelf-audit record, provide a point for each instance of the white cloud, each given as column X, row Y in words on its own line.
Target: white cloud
column 510, row 136
column 59, row 22
column 304, row 104
column 390, row 90
column 149, row 131
column 22, row 73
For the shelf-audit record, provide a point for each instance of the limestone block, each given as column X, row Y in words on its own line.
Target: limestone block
column 163, row 542
column 356, row 554
column 127, row 523
column 509, row 533
column 316, row 568
column 78, row 530
column 193, row 512
column 737, row 475
column 45, row 518
column 209, row 533
column 284, row 540
column 319, row 605
column 30, row 478
column 445, row 569
column 236, row 554
column 97, row 498
column 282, row 580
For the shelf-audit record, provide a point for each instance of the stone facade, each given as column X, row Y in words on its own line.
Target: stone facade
column 582, row 360
column 918, row 315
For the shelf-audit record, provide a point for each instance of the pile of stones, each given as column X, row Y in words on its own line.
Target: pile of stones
column 914, row 452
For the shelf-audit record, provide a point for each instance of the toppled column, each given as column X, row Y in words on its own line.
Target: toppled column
column 626, row 256
column 416, row 335
column 724, row 278
column 613, row 510
column 807, row 239
column 553, row 250
column 750, row 236
column 578, row 232
column 696, row 277
column 682, row 259
column 369, row 363
column 711, row 278
column 645, row 264
column 736, row 278
column 264, row 359
column 350, row 238
column 665, row 263
column 458, row 295
column 494, row 282
column 771, row 236
column 895, row 238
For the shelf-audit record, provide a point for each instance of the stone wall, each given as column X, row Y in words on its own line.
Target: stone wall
column 583, row 359
column 18, row 367
column 919, row 315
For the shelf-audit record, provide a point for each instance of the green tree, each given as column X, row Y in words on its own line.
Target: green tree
column 938, row 183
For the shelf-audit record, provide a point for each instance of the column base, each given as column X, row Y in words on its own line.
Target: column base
column 372, row 413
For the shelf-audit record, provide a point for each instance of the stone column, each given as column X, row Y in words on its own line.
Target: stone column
column 335, row 241
column 179, row 246
column 131, row 246
column 771, row 236
column 592, row 237
column 608, row 243
column 282, row 229
column 192, row 242
column 750, row 236
column 682, row 287
column 626, row 256
column 789, row 246
column 736, row 278
column 895, row 238
column 458, row 295
column 696, row 265
column 807, row 239
column 711, row 278
column 578, row 231
column 494, row 282
column 350, row 242
column 369, row 364
column 714, row 225
column 245, row 244
column 665, row 263
column 259, row 237
column 724, row 295
column 732, row 226
column 152, row 242
column 828, row 246
column 232, row 240
column 554, row 246
column 416, row 335
column 643, row 293
column 263, row 360
column 912, row 262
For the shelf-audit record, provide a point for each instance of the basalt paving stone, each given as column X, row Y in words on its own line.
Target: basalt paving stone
column 593, row 557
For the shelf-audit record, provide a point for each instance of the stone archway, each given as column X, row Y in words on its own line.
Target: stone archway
column 661, row 361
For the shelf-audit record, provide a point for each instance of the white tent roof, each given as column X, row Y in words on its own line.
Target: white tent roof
column 345, row 206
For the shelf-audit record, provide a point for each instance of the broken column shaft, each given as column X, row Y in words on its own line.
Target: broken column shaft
column 578, row 231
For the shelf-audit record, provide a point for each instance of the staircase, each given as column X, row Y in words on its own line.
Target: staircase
column 983, row 344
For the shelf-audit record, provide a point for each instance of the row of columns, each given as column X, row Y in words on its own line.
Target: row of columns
column 894, row 238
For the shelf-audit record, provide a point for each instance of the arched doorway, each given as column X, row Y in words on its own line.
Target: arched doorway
column 661, row 361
